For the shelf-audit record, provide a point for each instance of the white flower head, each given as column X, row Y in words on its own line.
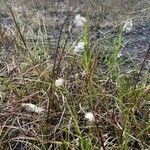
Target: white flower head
column 79, row 20
column 32, row 108
column 79, row 48
column 75, row 141
column 128, row 25
column 83, row 73
column 77, row 75
column 129, row 71
column 89, row 116
column 59, row 82
column 119, row 55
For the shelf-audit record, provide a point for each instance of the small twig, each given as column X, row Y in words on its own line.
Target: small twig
column 22, row 38
column 18, row 28
column 100, row 134
column 56, row 52
column 58, row 45
column 63, row 50
column 50, row 101
column 99, row 129
column 142, row 66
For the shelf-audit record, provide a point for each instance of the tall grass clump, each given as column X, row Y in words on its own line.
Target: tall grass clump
column 71, row 93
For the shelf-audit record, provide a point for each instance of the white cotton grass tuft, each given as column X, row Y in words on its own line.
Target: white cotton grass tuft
column 32, row 108
column 75, row 142
column 59, row 82
column 119, row 55
column 89, row 116
column 128, row 25
column 130, row 71
column 79, row 48
column 79, row 20
column 83, row 74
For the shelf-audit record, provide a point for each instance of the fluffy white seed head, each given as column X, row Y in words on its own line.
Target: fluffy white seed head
column 89, row 116
column 83, row 74
column 59, row 82
column 32, row 108
column 119, row 55
column 75, row 142
column 79, row 48
column 79, row 20
column 128, row 25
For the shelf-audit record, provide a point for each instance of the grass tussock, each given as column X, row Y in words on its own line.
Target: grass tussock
column 54, row 98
